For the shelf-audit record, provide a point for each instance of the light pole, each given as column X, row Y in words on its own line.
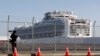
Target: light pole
column 55, row 33
column 94, row 34
column 75, row 37
column 8, row 33
column 33, row 34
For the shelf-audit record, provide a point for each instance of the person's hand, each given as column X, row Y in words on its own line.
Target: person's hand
column 10, row 40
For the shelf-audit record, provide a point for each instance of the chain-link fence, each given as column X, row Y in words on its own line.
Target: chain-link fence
column 7, row 26
column 56, row 44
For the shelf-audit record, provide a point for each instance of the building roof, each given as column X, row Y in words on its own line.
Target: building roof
column 3, row 37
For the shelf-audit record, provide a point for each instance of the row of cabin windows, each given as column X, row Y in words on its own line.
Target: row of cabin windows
column 40, row 35
column 47, row 35
column 49, row 28
column 73, row 34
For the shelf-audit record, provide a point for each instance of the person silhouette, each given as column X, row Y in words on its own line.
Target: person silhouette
column 13, row 40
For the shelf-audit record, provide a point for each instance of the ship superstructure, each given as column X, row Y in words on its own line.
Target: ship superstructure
column 57, row 23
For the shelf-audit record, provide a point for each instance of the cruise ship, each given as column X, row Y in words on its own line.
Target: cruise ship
column 61, row 28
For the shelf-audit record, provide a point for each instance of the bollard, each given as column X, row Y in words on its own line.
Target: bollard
column 33, row 54
column 10, row 54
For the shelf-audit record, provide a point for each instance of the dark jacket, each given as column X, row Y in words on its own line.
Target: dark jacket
column 13, row 37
